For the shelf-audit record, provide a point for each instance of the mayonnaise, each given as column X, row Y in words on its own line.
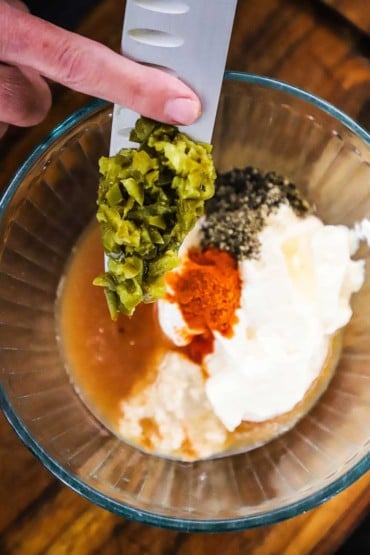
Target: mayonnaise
column 295, row 296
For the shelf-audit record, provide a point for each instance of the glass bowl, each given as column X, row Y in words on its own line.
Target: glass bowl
column 49, row 202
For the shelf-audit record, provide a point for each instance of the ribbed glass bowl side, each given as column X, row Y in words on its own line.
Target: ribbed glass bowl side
column 49, row 203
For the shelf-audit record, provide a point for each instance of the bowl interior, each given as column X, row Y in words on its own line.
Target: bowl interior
column 41, row 221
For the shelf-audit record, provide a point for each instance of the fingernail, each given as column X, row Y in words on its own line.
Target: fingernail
column 182, row 111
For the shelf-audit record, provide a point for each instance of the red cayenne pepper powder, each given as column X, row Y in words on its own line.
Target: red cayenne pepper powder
column 207, row 291
column 199, row 347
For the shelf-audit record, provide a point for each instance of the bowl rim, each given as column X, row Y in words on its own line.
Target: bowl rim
column 90, row 493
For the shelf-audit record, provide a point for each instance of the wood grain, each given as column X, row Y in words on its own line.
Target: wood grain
column 293, row 41
column 64, row 523
column 356, row 11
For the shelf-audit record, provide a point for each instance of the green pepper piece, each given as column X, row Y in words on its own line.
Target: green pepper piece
column 130, row 268
column 130, row 295
column 113, row 303
column 158, row 267
column 114, row 195
column 157, row 221
column 148, row 200
column 134, row 189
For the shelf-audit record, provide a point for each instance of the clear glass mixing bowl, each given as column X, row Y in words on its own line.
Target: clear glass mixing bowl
column 49, row 202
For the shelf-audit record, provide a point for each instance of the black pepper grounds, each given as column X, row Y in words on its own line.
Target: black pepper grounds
column 243, row 199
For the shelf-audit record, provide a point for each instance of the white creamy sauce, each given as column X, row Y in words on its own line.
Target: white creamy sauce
column 361, row 231
column 295, row 296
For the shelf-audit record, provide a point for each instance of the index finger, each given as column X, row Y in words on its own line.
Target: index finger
column 90, row 67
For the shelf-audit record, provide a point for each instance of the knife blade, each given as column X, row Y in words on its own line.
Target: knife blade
column 189, row 38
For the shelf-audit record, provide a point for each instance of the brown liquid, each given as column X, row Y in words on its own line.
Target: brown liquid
column 108, row 360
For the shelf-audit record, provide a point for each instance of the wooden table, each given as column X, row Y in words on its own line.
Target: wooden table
column 304, row 43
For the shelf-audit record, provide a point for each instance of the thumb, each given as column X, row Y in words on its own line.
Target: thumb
column 89, row 67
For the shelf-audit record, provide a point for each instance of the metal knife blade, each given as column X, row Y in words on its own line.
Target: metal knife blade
column 187, row 37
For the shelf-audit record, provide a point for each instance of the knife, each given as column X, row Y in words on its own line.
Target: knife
column 189, row 38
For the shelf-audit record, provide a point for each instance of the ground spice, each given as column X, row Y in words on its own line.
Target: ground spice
column 199, row 347
column 207, row 291
column 243, row 200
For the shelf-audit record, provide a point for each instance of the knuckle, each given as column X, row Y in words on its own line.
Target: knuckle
column 19, row 102
column 138, row 94
column 70, row 64
column 12, row 96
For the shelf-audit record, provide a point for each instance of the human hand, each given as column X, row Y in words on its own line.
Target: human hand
column 32, row 49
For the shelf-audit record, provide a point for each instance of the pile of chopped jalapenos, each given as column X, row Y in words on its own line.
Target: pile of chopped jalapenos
column 148, row 200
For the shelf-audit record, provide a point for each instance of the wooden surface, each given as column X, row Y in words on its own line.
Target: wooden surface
column 356, row 11
column 297, row 42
